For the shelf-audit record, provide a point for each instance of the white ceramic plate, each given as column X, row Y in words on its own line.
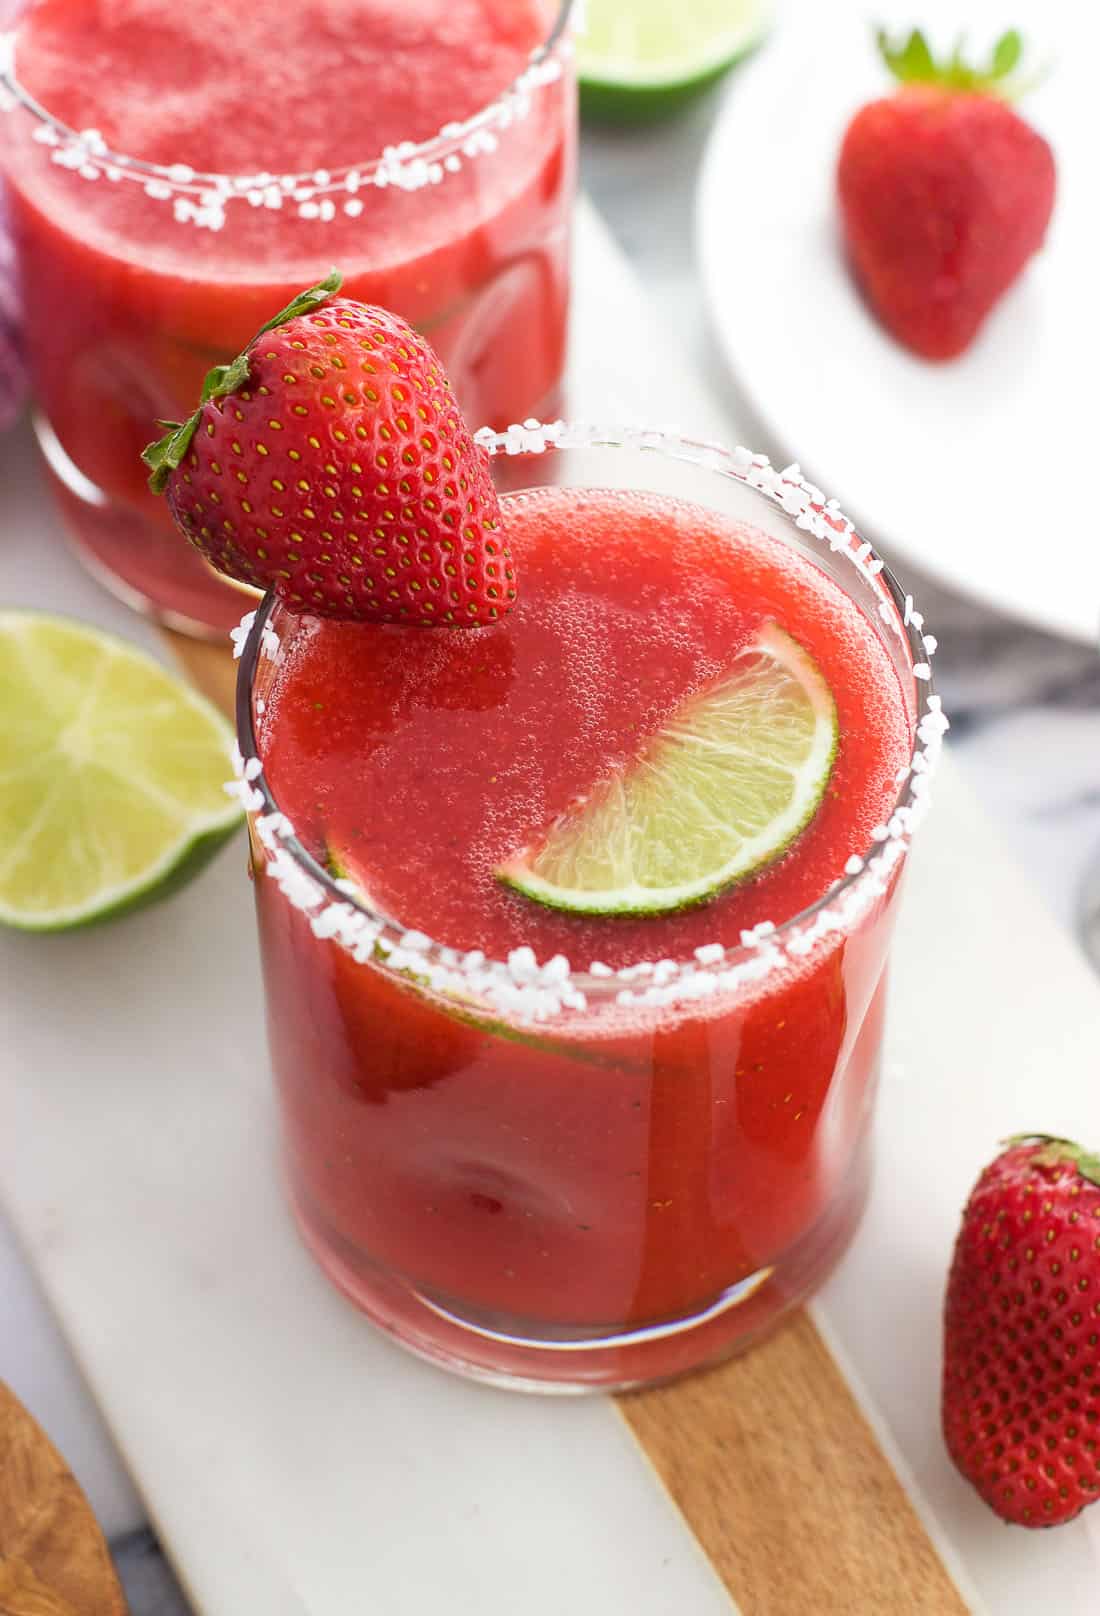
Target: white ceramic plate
column 982, row 471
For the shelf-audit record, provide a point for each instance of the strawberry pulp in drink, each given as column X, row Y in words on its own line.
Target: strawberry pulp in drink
column 558, row 1200
column 129, row 300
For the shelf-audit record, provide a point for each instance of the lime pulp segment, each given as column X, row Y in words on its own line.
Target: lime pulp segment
column 111, row 775
column 718, row 793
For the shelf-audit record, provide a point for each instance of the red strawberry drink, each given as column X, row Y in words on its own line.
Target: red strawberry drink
column 575, row 1089
column 260, row 148
column 577, row 825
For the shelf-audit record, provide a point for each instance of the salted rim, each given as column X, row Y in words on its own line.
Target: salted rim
column 200, row 196
column 521, row 986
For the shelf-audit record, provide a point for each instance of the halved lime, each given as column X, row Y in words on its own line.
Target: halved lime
column 111, row 775
column 640, row 59
column 715, row 795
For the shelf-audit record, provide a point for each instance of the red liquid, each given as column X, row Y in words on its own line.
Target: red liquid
column 619, row 1168
column 127, row 309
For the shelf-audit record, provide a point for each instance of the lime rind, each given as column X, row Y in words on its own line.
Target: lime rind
column 111, row 776
column 721, row 791
column 639, row 58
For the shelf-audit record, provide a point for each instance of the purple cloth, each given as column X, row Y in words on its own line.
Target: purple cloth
column 13, row 380
column 12, row 375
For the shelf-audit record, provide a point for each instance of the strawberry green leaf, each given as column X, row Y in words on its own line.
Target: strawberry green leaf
column 912, row 61
column 164, row 456
column 168, row 453
column 1006, row 54
column 221, row 380
column 309, row 299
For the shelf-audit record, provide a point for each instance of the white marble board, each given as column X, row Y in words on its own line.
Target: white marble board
column 293, row 1460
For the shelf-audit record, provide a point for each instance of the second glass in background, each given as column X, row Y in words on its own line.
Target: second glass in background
column 139, row 275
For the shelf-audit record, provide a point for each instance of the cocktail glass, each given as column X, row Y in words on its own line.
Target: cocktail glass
column 137, row 277
column 521, row 1172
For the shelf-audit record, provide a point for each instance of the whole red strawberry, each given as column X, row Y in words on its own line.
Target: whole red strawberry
column 330, row 462
column 1021, row 1374
column 945, row 193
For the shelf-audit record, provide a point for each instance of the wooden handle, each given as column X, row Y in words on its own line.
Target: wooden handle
column 53, row 1559
column 779, row 1475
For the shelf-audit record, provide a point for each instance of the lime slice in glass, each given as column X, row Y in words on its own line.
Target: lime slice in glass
column 641, row 59
column 111, row 774
column 715, row 795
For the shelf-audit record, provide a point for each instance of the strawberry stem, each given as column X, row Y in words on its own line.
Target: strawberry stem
column 911, row 61
column 1057, row 1150
column 167, row 454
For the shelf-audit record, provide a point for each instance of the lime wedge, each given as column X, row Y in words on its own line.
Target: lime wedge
column 715, row 795
column 111, row 775
column 641, row 59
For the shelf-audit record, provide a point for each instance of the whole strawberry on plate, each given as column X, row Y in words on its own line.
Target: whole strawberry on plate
column 330, row 462
column 945, row 193
column 1021, row 1375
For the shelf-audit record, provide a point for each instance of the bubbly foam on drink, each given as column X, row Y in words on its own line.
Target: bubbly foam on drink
column 428, row 758
column 270, row 90
column 212, row 84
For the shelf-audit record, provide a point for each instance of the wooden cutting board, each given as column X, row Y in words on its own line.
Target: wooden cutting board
column 53, row 1558
column 769, row 1458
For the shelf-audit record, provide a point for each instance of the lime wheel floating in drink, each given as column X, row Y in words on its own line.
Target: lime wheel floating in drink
column 720, row 791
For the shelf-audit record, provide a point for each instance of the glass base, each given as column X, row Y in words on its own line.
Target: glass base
column 518, row 1355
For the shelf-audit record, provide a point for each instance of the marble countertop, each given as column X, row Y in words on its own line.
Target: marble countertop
column 1025, row 707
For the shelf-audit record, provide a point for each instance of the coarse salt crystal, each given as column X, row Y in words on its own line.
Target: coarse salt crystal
column 240, row 634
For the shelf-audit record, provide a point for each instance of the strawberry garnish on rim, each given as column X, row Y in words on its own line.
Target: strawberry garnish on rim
column 1021, row 1378
column 330, row 462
